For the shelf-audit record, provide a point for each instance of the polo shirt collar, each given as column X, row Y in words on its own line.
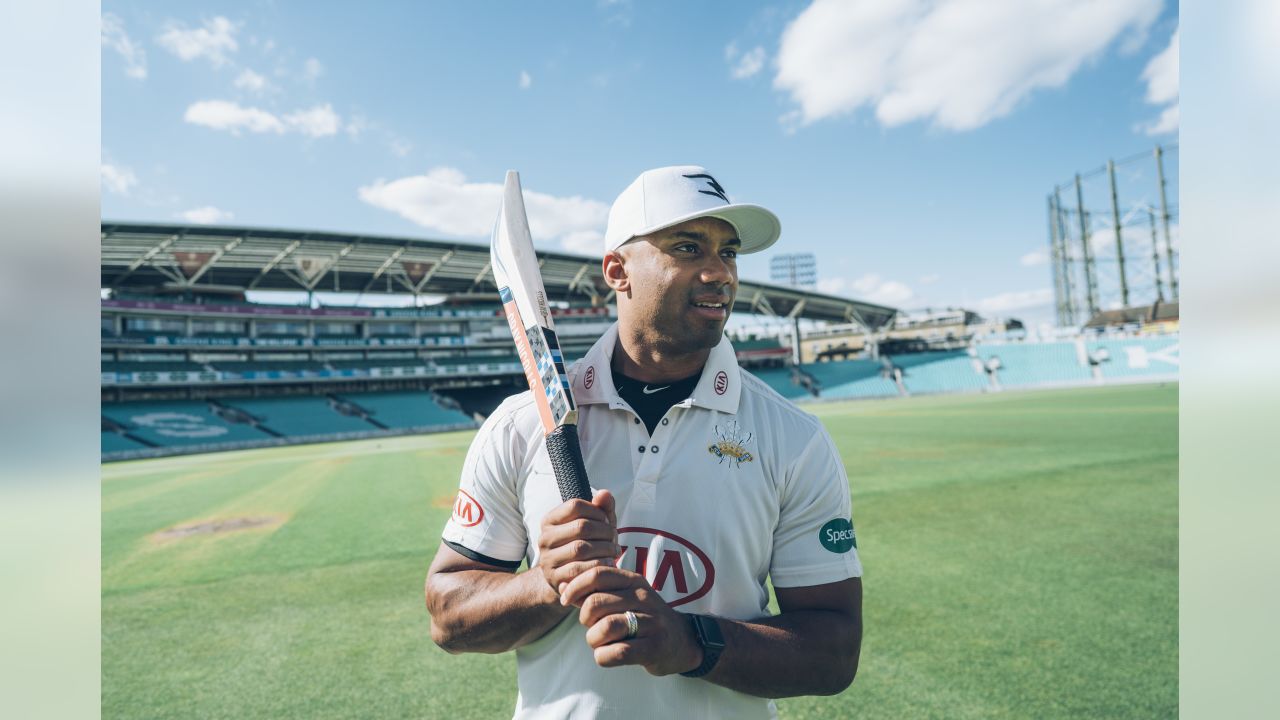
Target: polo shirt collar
column 719, row 388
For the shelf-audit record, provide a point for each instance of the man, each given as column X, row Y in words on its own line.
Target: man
column 650, row 600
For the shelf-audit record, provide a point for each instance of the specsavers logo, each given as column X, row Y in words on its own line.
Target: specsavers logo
column 837, row 536
column 679, row 570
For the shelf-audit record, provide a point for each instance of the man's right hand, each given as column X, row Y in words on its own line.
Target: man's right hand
column 576, row 536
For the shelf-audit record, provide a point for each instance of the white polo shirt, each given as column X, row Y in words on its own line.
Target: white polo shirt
column 736, row 485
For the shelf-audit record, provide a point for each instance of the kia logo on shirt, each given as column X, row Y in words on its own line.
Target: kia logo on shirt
column 466, row 510
column 679, row 570
column 722, row 382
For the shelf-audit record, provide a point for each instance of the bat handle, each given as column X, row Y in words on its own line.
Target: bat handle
column 566, row 459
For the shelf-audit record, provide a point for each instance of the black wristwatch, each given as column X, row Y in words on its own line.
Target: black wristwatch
column 707, row 630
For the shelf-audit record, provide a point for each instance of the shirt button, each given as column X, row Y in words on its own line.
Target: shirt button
column 664, row 421
column 637, row 421
column 654, row 448
column 641, row 448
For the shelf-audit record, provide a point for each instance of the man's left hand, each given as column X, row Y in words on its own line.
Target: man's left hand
column 664, row 642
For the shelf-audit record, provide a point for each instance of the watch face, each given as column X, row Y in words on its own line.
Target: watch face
column 709, row 632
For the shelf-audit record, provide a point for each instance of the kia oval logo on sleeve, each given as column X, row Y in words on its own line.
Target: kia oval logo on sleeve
column 466, row 510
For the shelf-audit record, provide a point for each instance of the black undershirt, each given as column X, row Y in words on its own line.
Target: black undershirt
column 652, row 400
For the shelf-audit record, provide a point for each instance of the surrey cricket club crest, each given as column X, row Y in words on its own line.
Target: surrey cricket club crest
column 731, row 445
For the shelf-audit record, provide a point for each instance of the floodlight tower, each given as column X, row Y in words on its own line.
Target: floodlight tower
column 796, row 270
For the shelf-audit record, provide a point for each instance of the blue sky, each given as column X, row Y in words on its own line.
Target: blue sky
column 909, row 144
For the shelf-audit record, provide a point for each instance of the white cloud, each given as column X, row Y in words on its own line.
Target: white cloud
column 1013, row 301
column 744, row 65
column 443, row 201
column 870, row 287
column 207, row 215
column 525, row 80
column 930, row 279
column 224, row 115
column 958, row 63
column 119, row 180
column 318, row 121
column 312, row 70
column 1161, row 75
column 251, row 81
column 114, row 37
column 214, row 41
column 1035, row 258
column 584, row 242
column 832, row 286
column 1167, row 122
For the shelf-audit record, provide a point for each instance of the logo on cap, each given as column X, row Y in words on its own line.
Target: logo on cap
column 715, row 190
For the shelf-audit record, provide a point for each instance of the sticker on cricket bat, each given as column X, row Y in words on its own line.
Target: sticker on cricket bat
column 524, row 300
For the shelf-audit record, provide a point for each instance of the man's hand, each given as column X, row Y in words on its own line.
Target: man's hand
column 664, row 643
column 577, row 536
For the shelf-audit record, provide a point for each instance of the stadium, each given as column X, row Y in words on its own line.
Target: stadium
column 277, row 474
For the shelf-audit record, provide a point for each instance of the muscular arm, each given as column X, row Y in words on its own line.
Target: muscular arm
column 810, row 648
column 481, row 608
column 477, row 607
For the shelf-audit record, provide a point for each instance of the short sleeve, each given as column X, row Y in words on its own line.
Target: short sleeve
column 486, row 524
column 814, row 542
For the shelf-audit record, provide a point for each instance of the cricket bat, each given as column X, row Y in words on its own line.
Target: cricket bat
column 524, row 298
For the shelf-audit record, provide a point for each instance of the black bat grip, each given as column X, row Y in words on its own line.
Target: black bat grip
column 566, row 460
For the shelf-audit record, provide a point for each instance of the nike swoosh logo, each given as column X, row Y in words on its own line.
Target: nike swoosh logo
column 647, row 391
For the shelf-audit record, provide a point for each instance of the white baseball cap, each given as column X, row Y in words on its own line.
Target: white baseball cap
column 668, row 196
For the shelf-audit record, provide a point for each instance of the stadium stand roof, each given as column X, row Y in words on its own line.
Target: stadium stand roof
column 146, row 257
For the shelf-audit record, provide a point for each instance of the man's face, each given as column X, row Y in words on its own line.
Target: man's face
column 681, row 283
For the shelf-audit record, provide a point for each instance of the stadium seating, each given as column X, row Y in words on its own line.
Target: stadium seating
column 1026, row 365
column 115, row 442
column 756, row 344
column 268, row 366
column 450, row 361
column 374, row 362
column 399, row 410
column 1138, row 357
column 939, row 372
column 852, row 379
column 177, row 423
column 780, row 380
column 137, row 366
column 300, row 416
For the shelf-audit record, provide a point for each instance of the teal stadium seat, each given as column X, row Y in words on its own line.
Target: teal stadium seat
column 402, row 410
column 178, row 423
column 1028, row 365
column 300, row 416
column 780, row 380
column 852, row 379
column 1139, row 357
column 115, row 442
column 939, row 372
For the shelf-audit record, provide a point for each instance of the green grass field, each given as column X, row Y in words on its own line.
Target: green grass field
column 1020, row 552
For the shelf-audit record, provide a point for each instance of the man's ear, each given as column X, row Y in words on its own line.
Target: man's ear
column 615, row 272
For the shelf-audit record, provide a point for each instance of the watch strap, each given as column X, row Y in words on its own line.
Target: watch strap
column 707, row 632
